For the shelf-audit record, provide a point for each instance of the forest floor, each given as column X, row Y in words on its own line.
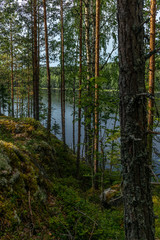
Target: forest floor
column 40, row 195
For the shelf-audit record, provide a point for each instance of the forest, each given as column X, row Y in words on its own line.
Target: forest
column 79, row 119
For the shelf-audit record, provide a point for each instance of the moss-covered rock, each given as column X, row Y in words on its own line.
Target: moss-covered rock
column 40, row 196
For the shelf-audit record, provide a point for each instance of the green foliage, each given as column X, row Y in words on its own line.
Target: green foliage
column 40, row 196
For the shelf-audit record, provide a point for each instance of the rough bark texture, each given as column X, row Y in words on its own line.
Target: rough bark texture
column 151, row 75
column 48, row 69
column 62, row 77
column 139, row 219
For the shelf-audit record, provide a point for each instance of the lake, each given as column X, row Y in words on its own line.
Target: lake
column 56, row 118
column 56, row 121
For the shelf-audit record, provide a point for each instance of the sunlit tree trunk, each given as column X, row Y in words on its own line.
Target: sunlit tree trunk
column 96, row 113
column 80, row 83
column 138, row 207
column 151, row 75
column 62, row 78
column 48, row 70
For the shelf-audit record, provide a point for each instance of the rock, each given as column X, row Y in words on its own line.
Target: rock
column 112, row 196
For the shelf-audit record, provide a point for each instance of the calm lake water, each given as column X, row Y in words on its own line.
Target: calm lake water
column 56, row 117
column 56, row 120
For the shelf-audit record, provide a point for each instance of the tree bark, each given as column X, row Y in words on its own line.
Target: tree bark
column 96, row 113
column 48, row 70
column 35, row 69
column 28, row 104
column 88, row 107
column 12, row 86
column 138, row 207
column 62, row 78
column 151, row 75
column 74, row 111
column 80, row 83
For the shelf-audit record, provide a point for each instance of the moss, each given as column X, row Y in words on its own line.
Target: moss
column 40, row 197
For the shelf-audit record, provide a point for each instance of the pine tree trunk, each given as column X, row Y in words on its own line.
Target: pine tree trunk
column 36, row 80
column 28, row 104
column 88, row 142
column 80, row 83
column 12, row 86
column 96, row 114
column 151, row 75
column 62, row 78
column 48, row 70
column 93, row 38
column 38, row 58
column 138, row 207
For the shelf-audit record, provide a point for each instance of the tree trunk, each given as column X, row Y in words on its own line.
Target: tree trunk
column 34, row 102
column 80, row 83
column 38, row 59
column 74, row 112
column 88, row 107
column 151, row 75
column 138, row 207
column 93, row 38
column 12, row 86
column 62, row 78
column 28, row 104
column 48, row 70
column 96, row 130
column 36, row 80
